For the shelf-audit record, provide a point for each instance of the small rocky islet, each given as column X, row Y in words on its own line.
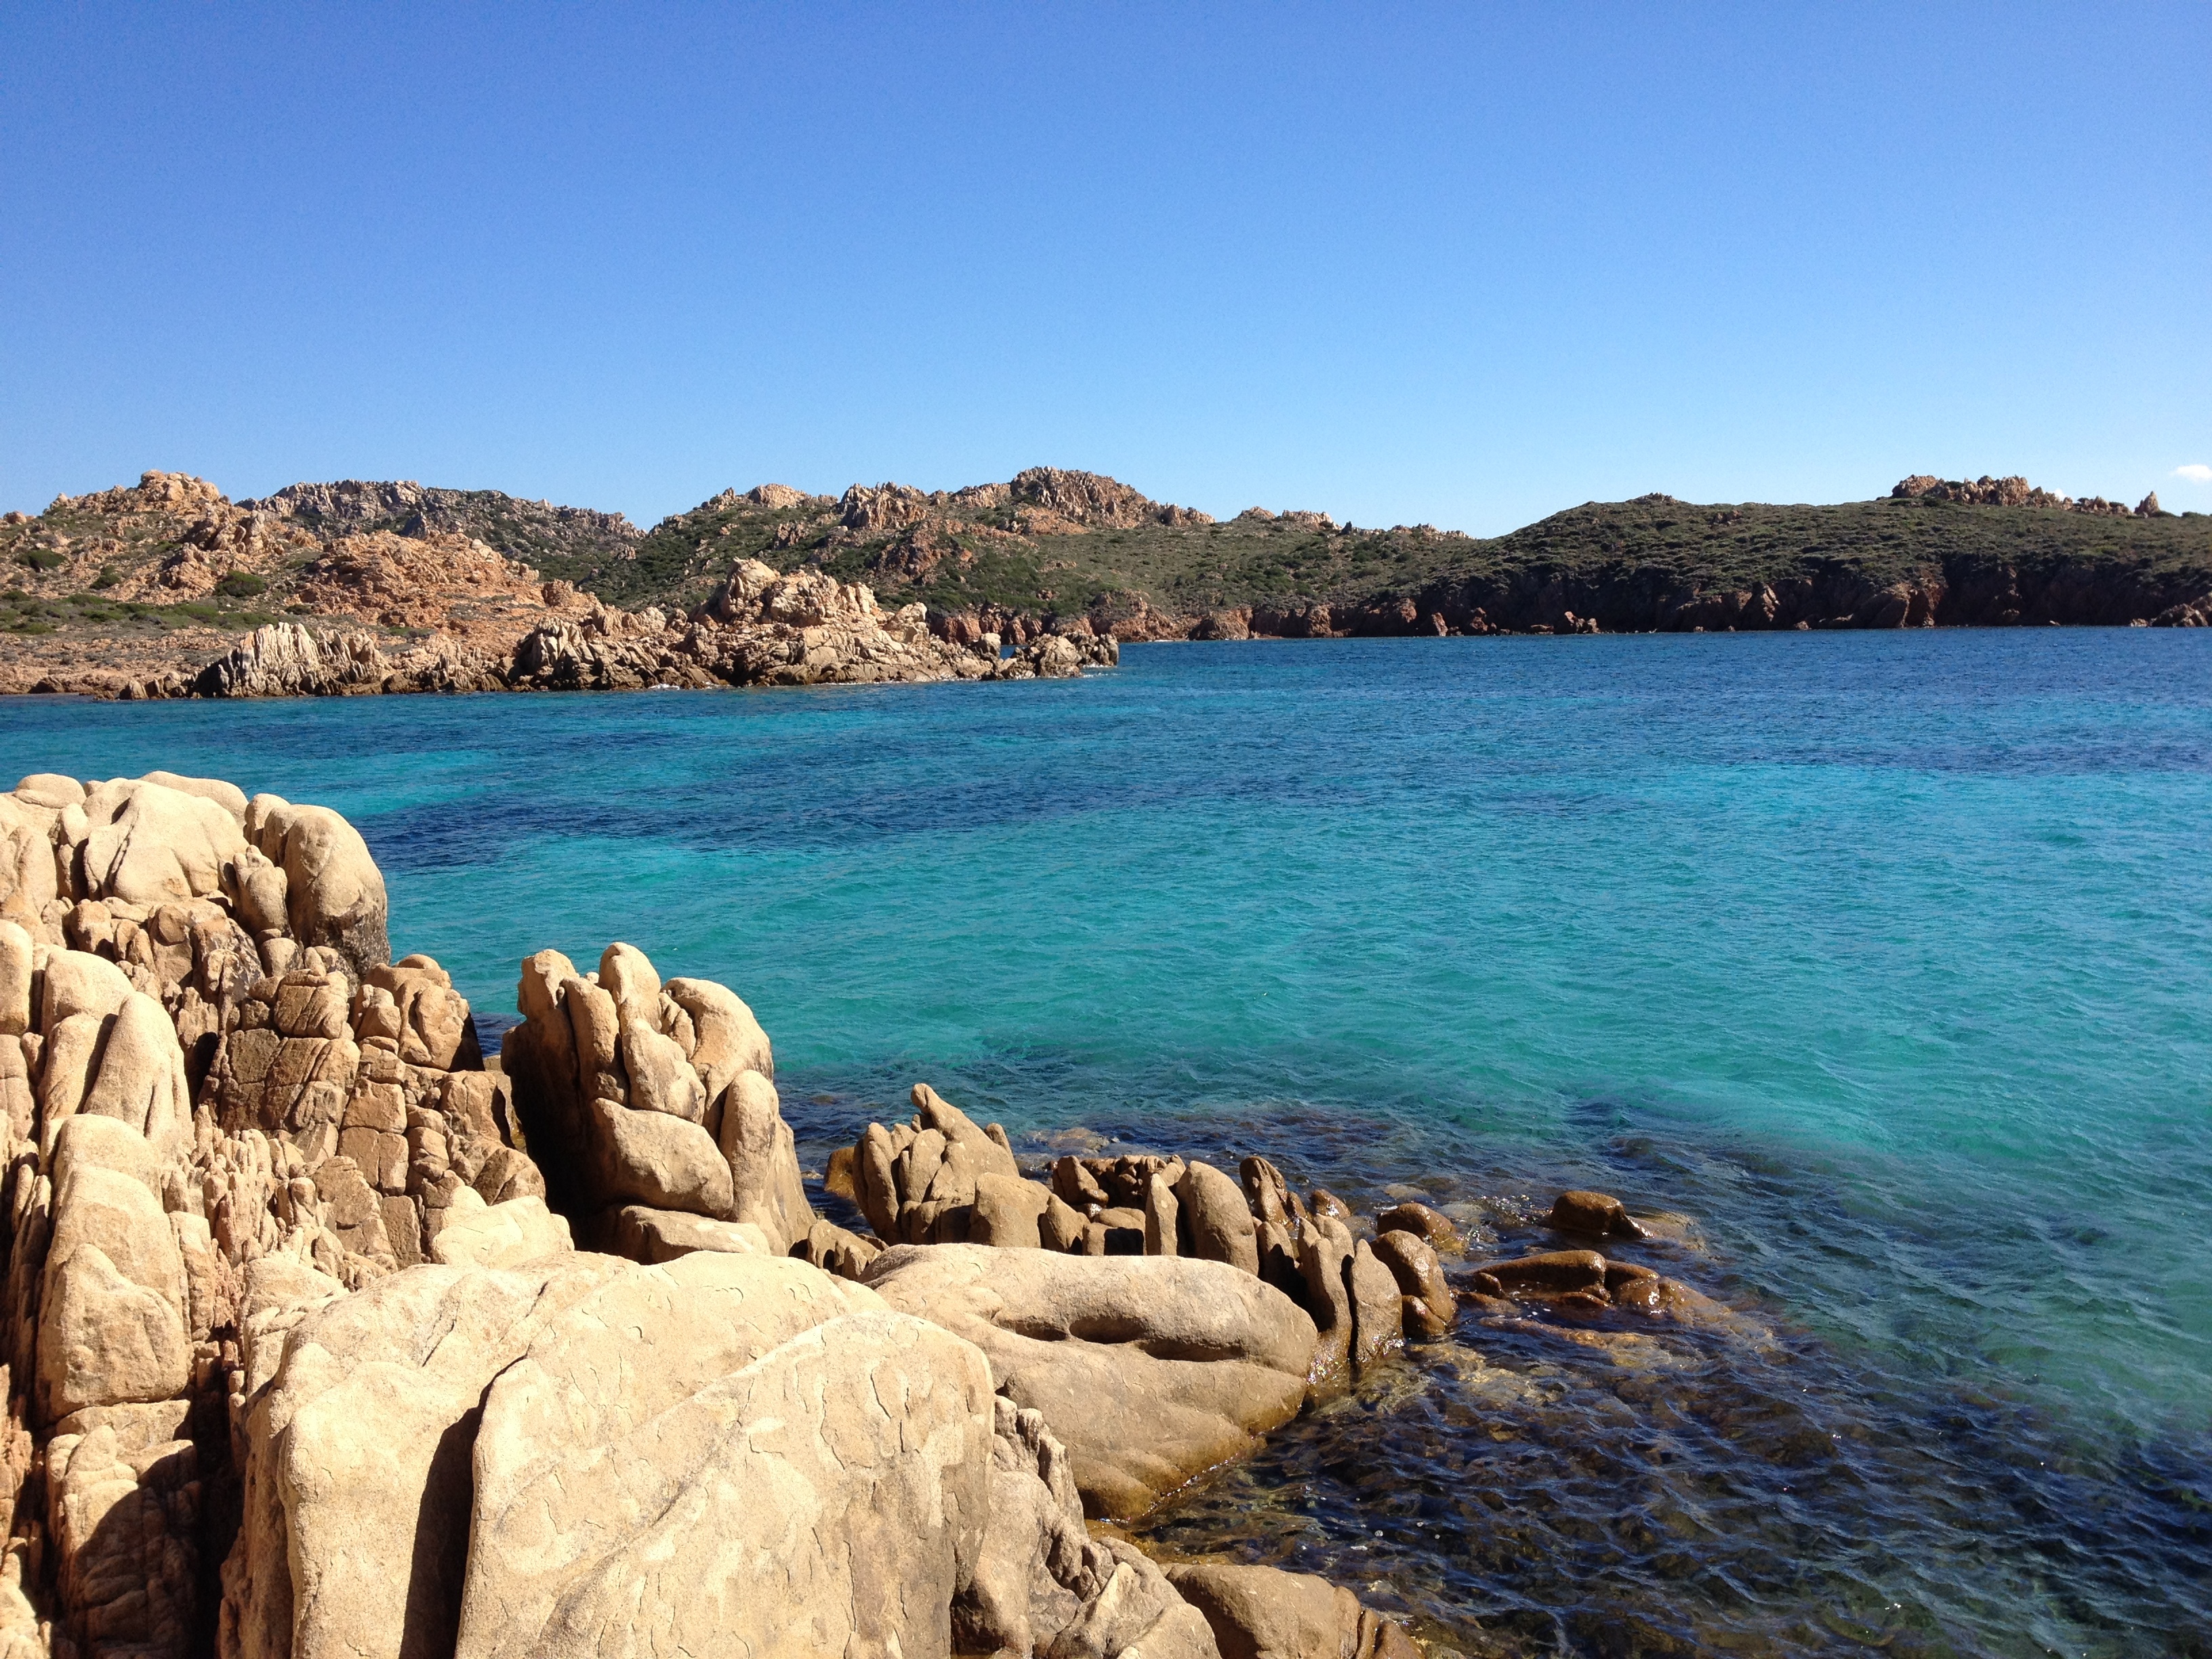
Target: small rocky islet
column 326, row 1333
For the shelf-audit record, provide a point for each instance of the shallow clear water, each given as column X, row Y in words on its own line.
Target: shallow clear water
column 1888, row 958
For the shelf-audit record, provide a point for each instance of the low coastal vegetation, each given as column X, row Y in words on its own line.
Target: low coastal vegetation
column 149, row 584
column 21, row 612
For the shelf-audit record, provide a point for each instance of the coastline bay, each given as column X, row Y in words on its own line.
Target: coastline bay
column 1887, row 957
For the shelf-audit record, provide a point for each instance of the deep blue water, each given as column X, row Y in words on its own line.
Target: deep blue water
column 1885, row 958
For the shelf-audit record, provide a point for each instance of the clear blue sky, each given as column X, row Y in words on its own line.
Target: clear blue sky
column 1403, row 264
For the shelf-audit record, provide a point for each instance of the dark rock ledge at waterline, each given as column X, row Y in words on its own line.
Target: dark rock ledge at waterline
column 1968, row 593
column 324, row 1333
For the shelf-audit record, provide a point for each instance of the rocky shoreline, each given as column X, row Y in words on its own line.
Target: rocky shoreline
column 763, row 627
column 326, row 1333
column 830, row 633
column 143, row 592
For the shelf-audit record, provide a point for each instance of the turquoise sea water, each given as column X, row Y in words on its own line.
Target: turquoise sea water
column 1887, row 957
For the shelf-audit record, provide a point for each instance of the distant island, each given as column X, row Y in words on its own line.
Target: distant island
column 146, row 590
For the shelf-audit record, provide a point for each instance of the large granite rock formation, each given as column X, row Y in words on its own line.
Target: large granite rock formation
column 300, row 1358
column 1151, row 1370
column 209, row 1067
column 761, row 628
column 624, row 1462
column 941, row 1179
column 637, row 1095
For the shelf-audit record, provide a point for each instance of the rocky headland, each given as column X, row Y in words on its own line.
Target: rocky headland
column 409, row 604
column 166, row 588
column 324, row 1333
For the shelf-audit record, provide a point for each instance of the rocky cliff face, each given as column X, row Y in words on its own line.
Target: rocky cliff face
column 1966, row 593
column 526, row 531
column 422, row 609
column 300, row 1358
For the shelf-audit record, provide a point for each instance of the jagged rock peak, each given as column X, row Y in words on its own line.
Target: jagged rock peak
column 1984, row 491
column 346, row 500
column 1045, row 500
column 414, row 509
column 874, row 509
column 1083, row 498
column 1295, row 518
column 1095, row 502
column 777, row 496
column 2015, row 491
column 773, row 496
column 154, row 492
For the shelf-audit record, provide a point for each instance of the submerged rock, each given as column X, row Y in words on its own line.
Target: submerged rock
column 1436, row 1229
column 1427, row 1305
column 1594, row 1215
column 1264, row 1613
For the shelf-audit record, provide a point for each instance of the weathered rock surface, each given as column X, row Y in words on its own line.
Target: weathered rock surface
column 106, row 1339
column 146, row 842
column 1427, row 1303
column 834, row 1250
column 762, row 629
column 656, row 1235
column 1433, row 1227
column 917, row 1182
column 766, row 1190
column 624, row 1490
column 1009, row 1212
column 123, row 1511
column 334, row 893
column 1556, row 1271
column 1217, row 1218
column 141, row 1078
column 1151, row 1370
column 112, row 1322
column 283, row 1286
column 635, row 1094
column 1594, row 1215
column 514, row 1234
column 1042, row 1585
column 358, row 1479
column 1264, row 1613
column 186, row 1036
column 289, row 660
